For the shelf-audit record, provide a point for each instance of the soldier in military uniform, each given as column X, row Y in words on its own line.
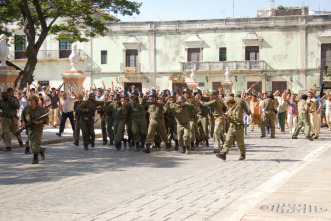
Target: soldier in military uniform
column 29, row 114
column 269, row 114
column 87, row 110
column 156, row 121
column 119, row 112
column 182, row 112
column 236, row 129
column 110, row 119
column 242, row 103
column 139, row 124
column 77, row 121
column 125, row 97
column 218, row 108
column 202, row 117
column 172, row 124
column 9, row 105
column 189, row 100
column 303, row 109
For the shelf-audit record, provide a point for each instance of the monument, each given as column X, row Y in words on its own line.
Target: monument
column 192, row 84
column 227, row 84
column 8, row 74
column 74, row 77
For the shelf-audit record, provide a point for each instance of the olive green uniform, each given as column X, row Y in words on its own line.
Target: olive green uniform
column 156, row 122
column 203, row 120
column 35, row 131
column 268, row 116
column 236, row 129
column 182, row 116
column 193, row 114
column 77, row 122
column 303, row 119
column 217, row 107
column 9, row 120
column 242, row 103
column 109, row 123
column 171, row 126
column 87, row 120
column 139, row 124
column 119, row 113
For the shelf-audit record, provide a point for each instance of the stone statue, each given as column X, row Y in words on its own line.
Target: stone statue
column 74, row 58
column 192, row 75
column 227, row 74
column 4, row 50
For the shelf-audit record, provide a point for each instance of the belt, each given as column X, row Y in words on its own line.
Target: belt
column 236, row 126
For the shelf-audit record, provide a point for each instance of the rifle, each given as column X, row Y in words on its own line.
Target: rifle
column 91, row 110
column 253, row 85
column 17, row 132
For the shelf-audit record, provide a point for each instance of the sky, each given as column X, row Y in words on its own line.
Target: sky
column 165, row 10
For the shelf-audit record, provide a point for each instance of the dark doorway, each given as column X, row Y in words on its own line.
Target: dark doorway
column 216, row 85
column 178, row 87
column 279, row 85
column 257, row 87
column 128, row 86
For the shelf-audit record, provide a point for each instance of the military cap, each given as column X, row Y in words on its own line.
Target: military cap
column 181, row 98
column 186, row 90
column 197, row 91
column 111, row 94
column 106, row 93
column 4, row 93
column 231, row 94
column 212, row 92
column 9, row 89
column 238, row 94
column 91, row 95
column 80, row 96
column 124, row 94
column 173, row 94
column 270, row 94
column 33, row 97
column 134, row 92
column 152, row 94
column 117, row 97
column 164, row 93
column 152, row 91
column 230, row 100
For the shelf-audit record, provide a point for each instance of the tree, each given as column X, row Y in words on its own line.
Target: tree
column 39, row 18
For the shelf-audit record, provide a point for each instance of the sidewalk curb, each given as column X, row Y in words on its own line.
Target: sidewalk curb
column 52, row 141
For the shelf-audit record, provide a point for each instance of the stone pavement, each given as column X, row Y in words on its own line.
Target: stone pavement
column 103, row 184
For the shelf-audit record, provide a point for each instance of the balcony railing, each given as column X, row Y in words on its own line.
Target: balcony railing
column 133, row 69
column 46, row 54
column 221, row 65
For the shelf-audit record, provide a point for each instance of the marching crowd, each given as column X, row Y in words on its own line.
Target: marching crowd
column 185, row 120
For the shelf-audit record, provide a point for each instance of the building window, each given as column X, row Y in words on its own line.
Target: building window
column 252, row 53
column 103, row 57
column 131, row 58
column 20, row 46
column 222, row 54
column 65, row 49
column 326, row 54
column 193, row 54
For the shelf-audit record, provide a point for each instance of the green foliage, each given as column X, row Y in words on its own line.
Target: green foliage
column 281, row 7
column 72, row 20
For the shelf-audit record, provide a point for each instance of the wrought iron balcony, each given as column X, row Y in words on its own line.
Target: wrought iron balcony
column 133, row 69
column 46, row 54
column 221, row 65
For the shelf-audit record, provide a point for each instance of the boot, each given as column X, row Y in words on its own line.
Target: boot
column 192, row 146
column 124, row 141
column 148, row 148
column 242, row 157
column 168, row 146
column 221, row 155
column 7, row 149
column 21, row 144
column 92, row 144
column 184, row 150
column 207, row 143
column 118, row 146
column 35, row 159
column 129, row 142
column 85, row 147
column 76, row 143
column 111, row 143
column 137, row 147
column 27, row 150
column 309, row 138
column 176, row 145
column 132, row 143
column 104, row 142
column 42, row 153
column 157, row 146
column 187, row 150
column 196, row 142
column 142, row 144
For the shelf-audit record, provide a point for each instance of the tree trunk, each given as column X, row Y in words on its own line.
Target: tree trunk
column 27, row 76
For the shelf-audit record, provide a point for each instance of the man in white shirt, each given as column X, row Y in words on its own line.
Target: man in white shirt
column 67, row 107
column 44, row 94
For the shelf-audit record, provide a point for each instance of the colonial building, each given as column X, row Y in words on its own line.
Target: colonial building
column 278, row 52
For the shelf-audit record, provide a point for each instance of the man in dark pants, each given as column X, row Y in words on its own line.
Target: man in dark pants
column 67, row 106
